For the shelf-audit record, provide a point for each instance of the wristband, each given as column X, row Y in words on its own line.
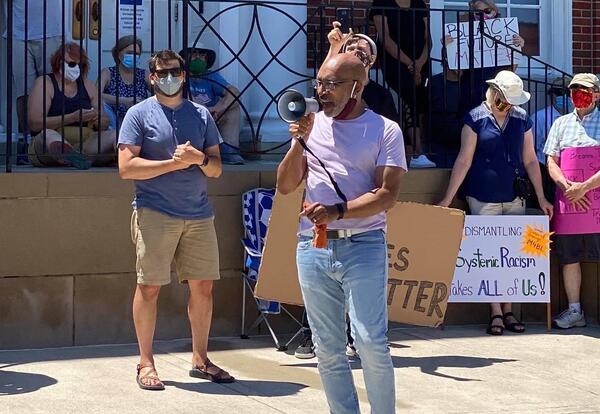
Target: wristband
column 205, row 161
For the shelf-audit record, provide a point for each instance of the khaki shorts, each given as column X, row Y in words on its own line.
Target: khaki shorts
column 39, row 157
column 161, row 239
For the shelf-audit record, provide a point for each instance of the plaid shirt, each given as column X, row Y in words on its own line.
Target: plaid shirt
column 569, row 131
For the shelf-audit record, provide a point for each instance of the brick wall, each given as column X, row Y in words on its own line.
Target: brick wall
column 320, row 16
column 586, row 35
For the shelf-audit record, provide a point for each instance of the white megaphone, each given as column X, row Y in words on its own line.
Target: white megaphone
column 292, row 106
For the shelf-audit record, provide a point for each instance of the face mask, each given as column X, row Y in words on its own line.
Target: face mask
column 70, row 73
column 169, row 86
column 563, row 104
column 582, row 99
column 198, row 66
column 500, row 105
column 348, row 108
column 127, row 60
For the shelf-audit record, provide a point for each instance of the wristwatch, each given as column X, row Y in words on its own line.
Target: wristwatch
column 205, row 161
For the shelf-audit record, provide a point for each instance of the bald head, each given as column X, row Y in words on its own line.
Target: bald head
column 343, row 66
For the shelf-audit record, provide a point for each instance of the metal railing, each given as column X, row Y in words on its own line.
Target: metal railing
column 181, row 23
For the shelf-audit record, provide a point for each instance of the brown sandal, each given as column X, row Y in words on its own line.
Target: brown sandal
column 152, row 375
column 217, row 375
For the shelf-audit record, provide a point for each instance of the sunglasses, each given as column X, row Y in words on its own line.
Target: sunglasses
column 163, row 73
column 71, row 64
column 489, row 10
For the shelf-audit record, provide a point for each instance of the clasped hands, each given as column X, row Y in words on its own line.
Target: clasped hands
column 575, row 193
column 187, row 155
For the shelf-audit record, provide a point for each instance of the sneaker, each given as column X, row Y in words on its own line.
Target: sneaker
column 306, row 349
column 351, row 351
column 421, row 162
column 569, row 319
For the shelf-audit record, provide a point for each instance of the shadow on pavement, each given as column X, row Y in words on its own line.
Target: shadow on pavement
column 12, row 382
column 241, row 387
column 430, row 365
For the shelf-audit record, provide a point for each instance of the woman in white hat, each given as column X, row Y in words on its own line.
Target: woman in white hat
column 498, row 163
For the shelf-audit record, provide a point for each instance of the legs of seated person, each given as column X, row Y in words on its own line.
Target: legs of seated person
column 47, row 149
column 229, row 125
column 330, row 278
column 107, row 153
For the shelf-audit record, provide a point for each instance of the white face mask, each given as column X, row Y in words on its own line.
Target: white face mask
column 170, row 85
column 70, row 73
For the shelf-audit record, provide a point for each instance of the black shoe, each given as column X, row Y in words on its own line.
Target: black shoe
column 306, row 349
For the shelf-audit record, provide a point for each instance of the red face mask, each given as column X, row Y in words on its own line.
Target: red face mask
column 348, row 108
column 582, row 99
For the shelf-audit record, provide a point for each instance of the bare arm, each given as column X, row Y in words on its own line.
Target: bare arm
column 292, row 169
column 381, row 198
column 556, row 173
column 390, row 46
column 462, row 164
column 97, row 105
column 214, row 168
column 134, row 167
column 36, row 112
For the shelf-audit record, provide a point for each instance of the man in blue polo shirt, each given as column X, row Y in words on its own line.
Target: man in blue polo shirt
column 168, row 146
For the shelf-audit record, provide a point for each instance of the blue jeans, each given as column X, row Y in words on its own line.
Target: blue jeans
column 352, row 272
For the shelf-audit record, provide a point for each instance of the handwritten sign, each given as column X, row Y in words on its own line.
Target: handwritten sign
column 485, row 53
column 578, row 164
column 418, row 287
column 503, row 259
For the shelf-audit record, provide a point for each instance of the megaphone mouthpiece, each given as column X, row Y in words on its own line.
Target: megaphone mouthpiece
column 292, row 106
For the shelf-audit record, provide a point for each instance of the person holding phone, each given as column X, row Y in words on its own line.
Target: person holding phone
column 403, row 35
column 65, row 103
column 377, row 97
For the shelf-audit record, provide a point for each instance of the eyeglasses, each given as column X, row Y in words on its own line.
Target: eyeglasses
column 488, row 10
column 71, row 64
column 328, row 85
column 163, row 73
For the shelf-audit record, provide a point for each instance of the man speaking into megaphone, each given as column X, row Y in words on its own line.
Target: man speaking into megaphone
column 353, row 161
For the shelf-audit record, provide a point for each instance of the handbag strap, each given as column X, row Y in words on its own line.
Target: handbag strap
column 336, row 187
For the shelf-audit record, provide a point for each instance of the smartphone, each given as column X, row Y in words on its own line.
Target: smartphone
column 342, row 15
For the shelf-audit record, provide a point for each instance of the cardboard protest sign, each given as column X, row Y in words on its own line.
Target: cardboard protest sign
column 484, row 50
column 577, row 164
column 418, row 287
column 503, row 259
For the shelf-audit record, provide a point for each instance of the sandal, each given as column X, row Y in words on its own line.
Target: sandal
column 495, row 330
column 516, row 327
column 151, row 375
column 215, row 374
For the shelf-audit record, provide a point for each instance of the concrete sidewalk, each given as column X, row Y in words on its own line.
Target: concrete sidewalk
column 457, row 370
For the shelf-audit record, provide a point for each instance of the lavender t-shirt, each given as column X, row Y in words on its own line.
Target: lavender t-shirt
column 351, row 150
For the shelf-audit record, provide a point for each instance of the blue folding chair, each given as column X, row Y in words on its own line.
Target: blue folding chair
column 256, row 210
